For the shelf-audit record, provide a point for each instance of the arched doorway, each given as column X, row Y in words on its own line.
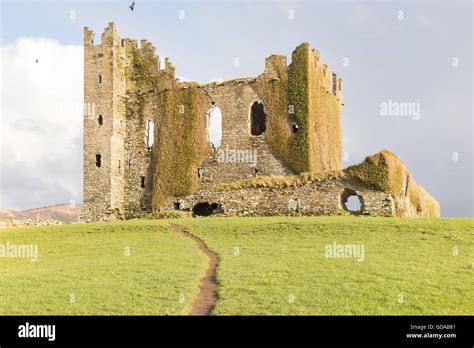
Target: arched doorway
column 206, row 209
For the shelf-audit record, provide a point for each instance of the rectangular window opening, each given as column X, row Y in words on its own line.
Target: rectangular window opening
column 98, row 160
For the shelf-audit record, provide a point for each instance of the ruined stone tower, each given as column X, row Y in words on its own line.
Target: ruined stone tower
column 148, row 147
column 104, row 122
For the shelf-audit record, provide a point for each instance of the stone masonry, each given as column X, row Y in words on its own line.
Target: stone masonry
column 147, row 146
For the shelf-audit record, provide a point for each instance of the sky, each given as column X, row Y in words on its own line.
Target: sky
column 389, row 54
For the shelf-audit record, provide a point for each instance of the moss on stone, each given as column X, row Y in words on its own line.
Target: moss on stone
column 274, row 93
column 280, row 181
column 141, row 68
column 297, row 96
column 324, row 121
column 382, row 171
column 386, row 172
column 180, row 124
column 433, row 207
column 422, row 201
column 181, row 143
column 415, row 196
column 288, row 89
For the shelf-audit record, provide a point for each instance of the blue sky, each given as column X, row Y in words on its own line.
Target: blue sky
column 398, row 51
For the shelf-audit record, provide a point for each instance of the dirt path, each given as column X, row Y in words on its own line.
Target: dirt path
column 207, row 296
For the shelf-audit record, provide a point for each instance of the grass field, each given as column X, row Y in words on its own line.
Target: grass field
column 280, row 265
column 267, row 266
column 89, row 262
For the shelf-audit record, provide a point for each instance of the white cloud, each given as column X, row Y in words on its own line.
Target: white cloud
column 41, row 122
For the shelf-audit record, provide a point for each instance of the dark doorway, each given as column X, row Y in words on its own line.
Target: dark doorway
column 258, row 119
column 205, row 209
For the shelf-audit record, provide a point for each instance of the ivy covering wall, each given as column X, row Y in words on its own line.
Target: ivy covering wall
column 386, row 172
column 181, row 143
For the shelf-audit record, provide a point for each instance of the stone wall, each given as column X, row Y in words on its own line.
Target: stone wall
column 137, row 160
column 241, row 155
column 314, row 198
column 381, row 183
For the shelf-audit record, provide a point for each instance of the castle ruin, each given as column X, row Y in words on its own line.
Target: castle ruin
column 147, row 145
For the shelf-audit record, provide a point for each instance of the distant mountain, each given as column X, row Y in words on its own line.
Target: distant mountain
column 65, row 213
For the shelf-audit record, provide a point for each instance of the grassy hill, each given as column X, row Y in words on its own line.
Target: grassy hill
column 267, row 266
column 60, row 212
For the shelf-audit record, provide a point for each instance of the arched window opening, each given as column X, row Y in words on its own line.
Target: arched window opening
column 150, row 133
column 215, row 126
column 100, row 120
column 258, row 119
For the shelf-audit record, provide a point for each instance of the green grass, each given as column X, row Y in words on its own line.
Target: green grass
column 279, row 259
column 89, row 262
column 282, row 259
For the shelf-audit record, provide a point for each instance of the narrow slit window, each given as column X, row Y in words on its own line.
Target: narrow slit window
column 100, row 120
column 142, row 182
column 98, row 160
column 295, row 128
column 100, row 79
column 150, row 134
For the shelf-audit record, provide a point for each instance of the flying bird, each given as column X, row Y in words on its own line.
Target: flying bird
column 132, row 6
